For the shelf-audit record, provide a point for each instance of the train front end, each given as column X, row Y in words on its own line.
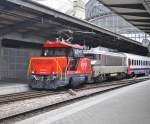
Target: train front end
column 58, row 66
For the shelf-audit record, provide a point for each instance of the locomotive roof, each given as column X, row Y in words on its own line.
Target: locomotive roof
column 50, row 44
column 103, row 52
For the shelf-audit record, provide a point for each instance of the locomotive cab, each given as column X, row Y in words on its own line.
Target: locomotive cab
column 60, row 64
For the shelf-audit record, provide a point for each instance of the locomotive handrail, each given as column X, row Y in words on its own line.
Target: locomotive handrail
column 59, row 67
column 29, row 67
column 67, row 68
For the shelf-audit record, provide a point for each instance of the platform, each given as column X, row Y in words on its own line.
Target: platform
column 12, row 87
column 127, row 105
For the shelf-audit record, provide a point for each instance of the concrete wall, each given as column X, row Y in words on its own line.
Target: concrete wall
column 14, row 61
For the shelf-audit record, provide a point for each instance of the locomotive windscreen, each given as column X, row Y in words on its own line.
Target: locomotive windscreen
column 57, row 52
column 91, row 56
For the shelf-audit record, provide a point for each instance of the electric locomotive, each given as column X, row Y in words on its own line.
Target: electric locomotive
column 60, row 64
column 107, row 64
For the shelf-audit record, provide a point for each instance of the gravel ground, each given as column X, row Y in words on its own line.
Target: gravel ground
column 14, row 108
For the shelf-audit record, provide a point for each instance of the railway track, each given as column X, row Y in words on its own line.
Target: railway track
column 26, row 99
column 4, row 99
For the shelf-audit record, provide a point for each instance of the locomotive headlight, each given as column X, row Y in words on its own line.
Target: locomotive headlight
column 32, row 72
column 54, row 75
column 93, row 62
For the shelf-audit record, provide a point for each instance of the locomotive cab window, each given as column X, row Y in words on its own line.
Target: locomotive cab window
column 78, row 53
column 91, row 56
column 57, row 52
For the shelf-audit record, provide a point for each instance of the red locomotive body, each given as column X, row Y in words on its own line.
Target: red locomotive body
column 60, row 64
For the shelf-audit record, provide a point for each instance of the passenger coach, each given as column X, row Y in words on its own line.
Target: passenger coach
column 137, row 64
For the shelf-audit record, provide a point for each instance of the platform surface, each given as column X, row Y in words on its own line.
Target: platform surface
column 128, row 105
column 12, row 87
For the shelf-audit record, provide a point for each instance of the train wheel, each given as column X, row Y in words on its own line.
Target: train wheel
column 121, row 76
column 101, row 78
column 72, row 84
column 132, row 75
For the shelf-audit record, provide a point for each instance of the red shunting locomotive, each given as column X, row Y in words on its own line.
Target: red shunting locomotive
column 60, row 64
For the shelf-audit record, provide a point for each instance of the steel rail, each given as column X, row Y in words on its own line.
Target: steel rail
column 34, row 94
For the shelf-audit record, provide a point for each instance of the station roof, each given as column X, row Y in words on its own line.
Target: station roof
column 30, row 18
column 136, row 12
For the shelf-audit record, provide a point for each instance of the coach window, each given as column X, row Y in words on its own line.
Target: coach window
column 146, row 63
column 99, row 56
column 132, row 62
column 139, row 62
column 143, row 62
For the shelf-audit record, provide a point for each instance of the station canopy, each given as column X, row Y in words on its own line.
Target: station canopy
column 30, row 18
column 136, row 12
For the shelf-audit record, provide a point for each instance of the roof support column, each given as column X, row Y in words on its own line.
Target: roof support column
column 1, row 59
